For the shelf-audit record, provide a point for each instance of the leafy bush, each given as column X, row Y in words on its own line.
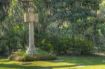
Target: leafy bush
column 18, row 55
column 38, row 57
column 19, row 52
column 66, row 46
column 72, row 46
column 84, row 47
column 22, row 56
column 45, row 44
column 41, row 52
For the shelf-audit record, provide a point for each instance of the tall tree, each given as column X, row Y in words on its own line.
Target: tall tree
column 4, row 5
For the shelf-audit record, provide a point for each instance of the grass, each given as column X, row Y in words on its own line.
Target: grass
column 67, row 62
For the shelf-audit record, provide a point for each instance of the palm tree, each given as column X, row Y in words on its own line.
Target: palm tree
column 29, row 17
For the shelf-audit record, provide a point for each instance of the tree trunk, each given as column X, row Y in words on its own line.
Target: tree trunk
column 31, row 49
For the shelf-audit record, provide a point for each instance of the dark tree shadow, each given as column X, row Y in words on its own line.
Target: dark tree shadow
column 85, row 60
column 10, row 66
column 77, row 60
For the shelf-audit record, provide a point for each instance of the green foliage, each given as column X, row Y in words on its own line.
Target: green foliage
column 61, row 23
column 3, row 10
column 42, row 52
column 25, row 57
column 67, row 46
column 38, row 57
column 19, row 53
column 45, row 44
column 22, row 56
column 72, row 46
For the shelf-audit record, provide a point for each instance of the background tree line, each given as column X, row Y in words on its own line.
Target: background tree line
column 72, row 27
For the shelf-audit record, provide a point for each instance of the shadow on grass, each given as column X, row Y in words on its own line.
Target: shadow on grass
column 77, row 60
column 85, row 60
column 15, row 66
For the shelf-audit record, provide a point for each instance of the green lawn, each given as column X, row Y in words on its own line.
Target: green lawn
column 62, row 63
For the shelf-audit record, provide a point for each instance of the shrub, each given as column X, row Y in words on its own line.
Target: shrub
column 70, row 46
column 22, row 56
column 26, row 57
column 45, row 44
column 18, row 56
column 84, row 47
column 38, row 57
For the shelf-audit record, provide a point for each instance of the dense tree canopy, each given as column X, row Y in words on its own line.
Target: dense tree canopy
column 64, row 25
